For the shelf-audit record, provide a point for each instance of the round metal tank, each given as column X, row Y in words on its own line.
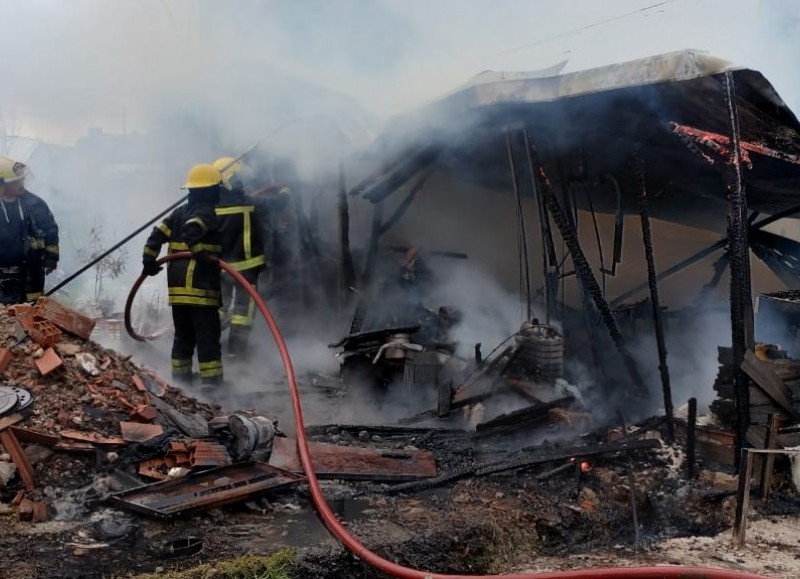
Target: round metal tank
column 540, row 351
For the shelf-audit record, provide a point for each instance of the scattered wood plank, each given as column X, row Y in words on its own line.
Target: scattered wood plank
column 355, row 463
column 768, row 380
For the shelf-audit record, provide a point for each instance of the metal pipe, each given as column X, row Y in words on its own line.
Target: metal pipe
column 524, row 261
column 549, row 260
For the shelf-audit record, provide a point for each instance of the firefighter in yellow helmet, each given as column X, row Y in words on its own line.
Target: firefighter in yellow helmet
column 28, row 237
column 193, row 284
column 242, row 247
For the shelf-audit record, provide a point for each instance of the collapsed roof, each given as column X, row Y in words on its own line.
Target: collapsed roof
column 588, row 124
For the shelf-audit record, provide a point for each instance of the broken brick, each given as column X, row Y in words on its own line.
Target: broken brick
column 44, row 333
column 27, row 322
column 65, row 318
column 209, row 454
column 139, row 383
column 25, row 510
column 49, row 362
column 19, row 310
column 145, row 413
column 154, row 468
column 138, row 432
column 5, row 358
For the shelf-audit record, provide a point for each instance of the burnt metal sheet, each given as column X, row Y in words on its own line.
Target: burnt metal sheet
column 354, row 463
column 205, row 490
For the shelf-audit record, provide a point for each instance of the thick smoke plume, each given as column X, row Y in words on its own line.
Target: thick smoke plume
column 111, row 101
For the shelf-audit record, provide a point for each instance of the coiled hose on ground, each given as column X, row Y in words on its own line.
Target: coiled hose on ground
column 354, row 545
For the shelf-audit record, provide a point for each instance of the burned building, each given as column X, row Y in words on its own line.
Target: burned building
column 576, row 194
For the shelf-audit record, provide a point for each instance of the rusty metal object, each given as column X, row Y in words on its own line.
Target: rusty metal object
column 205, row 490
column 353, row 463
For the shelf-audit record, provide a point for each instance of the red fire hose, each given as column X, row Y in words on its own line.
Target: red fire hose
column 353, row 544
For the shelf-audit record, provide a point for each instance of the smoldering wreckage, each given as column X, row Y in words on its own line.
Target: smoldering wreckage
column 560, row 447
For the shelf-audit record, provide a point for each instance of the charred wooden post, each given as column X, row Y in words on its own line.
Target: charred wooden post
column 348, row 272
column 739, row 250
column 742, row 497
column 658, row 321
column 691, row 433
column 587, row 278
column 768, row 461
column 524, row 262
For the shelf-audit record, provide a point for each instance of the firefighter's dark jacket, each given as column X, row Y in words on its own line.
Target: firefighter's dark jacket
column 240, row 231
column 191, row 227
column 43, row 228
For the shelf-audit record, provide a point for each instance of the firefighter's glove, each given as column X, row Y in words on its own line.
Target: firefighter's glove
column 150, row 267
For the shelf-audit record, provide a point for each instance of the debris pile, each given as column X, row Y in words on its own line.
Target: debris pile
column 70, row 409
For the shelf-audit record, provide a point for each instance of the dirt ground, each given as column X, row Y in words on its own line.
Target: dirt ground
column 501, row 523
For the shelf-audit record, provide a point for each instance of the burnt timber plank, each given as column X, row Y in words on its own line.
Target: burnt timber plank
column 355, row 463
column 770, row 382
column 528, row 417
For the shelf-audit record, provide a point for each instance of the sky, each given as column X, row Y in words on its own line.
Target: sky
column 124, row 64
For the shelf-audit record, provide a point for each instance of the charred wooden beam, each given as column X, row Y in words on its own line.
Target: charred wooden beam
column 523, row 419
column 535, row 457
column 739, row 251
column 655, row 302
column 588, row 280
column 550, row 273
column 691, row 437
column 400, row 174
column 348, row 270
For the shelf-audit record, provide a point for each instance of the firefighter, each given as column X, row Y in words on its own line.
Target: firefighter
column 28, row 237
column 242, row 247
column 194, row 284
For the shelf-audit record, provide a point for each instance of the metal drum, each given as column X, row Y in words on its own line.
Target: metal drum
column 540, row 352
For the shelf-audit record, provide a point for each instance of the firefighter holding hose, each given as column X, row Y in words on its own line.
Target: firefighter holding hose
column 193, row 284
column 240, row 229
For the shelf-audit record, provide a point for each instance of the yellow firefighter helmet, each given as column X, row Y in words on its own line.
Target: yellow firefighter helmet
column 202, row 175
column 11, row 170
column 229, row 168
